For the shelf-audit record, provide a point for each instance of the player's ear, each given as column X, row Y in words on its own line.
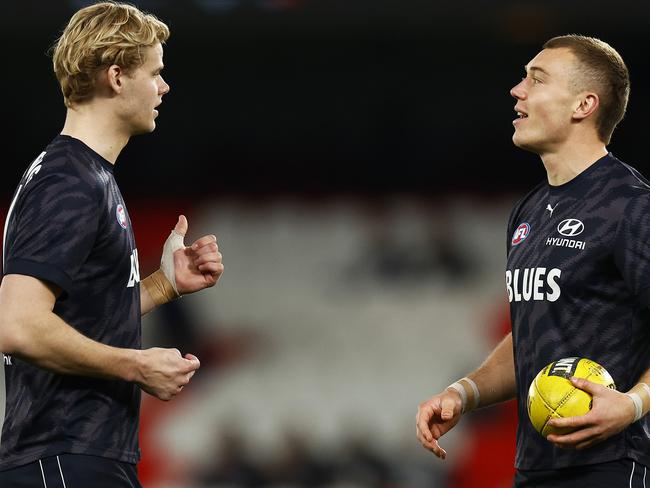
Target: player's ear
column 586, row 105
column 114, row 75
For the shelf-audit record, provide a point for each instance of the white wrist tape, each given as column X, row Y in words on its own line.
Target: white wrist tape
column 463, row 395
column 477, row 395
column 646, row 388
column 638, row 401
column 173, row 243
column 638, row 405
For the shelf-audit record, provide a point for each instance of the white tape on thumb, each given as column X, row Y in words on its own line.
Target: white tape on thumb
column 173, row 243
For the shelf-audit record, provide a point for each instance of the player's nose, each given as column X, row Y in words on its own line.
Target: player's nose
column 164, row 87
column 518, row 90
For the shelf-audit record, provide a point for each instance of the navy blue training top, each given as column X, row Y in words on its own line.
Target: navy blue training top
column 578, row 282
column 68, row 225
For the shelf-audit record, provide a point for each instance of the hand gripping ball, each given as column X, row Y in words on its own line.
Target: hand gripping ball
column 552, row 395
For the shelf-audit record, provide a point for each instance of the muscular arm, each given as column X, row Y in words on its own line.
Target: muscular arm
column 495, row 379
column 30, row 330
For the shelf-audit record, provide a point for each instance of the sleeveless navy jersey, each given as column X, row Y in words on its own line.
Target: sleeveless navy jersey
column 578, row 282
column 68, row 225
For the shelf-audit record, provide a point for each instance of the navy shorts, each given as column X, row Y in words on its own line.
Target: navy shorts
column 72, row 471
column 624, row 473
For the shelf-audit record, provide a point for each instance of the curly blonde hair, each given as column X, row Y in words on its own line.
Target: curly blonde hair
column 97, row 37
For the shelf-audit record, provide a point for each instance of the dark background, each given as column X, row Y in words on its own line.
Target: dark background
column 322, row 97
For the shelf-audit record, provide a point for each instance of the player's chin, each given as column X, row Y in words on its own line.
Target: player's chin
column 524, row 143
column 145, row 128
column 518, row 140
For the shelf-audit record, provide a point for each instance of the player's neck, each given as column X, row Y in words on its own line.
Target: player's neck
column 97, row 131
column 564, row 165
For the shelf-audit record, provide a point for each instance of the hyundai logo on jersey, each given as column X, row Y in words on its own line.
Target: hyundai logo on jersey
column 570, row 227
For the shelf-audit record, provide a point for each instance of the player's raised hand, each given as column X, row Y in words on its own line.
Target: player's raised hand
column 610, row 413
column 198, row 266
column 164, row 372
column 437, row 416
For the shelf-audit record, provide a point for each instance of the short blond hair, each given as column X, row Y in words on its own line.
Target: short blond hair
column 97, row 37
column 602, row 69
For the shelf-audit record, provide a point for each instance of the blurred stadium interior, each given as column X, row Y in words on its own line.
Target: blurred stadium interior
column 354, row 158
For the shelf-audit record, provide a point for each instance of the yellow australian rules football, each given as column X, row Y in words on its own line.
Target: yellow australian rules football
column 552, row 395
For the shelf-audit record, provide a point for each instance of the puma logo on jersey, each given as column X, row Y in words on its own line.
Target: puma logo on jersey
column 134, row 275
column 533, row 284
column 550, row 209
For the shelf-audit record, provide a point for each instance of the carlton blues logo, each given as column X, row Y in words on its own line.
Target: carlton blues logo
column 520, row 234
column 120, row 213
